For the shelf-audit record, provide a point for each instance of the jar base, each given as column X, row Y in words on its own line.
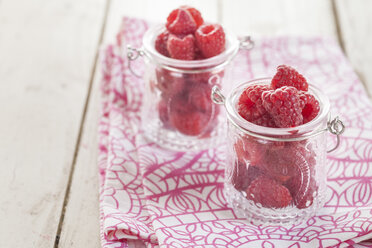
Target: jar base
column 174, row 140
column 261, row 215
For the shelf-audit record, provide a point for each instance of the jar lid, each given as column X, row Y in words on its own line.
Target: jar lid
column 312, row 128
column 232, row 47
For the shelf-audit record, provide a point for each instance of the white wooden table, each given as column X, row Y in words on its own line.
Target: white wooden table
column 49, row 96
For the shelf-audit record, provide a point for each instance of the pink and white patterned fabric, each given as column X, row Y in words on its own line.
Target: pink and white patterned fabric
column 175, row 199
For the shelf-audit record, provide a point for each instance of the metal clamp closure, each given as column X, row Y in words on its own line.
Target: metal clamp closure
column 246, row 43
column 133, row 54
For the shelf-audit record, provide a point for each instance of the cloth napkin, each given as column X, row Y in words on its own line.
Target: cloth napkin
column 166, row 198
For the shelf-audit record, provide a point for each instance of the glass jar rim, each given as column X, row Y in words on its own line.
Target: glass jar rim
column 225, row 57
column 313, row 126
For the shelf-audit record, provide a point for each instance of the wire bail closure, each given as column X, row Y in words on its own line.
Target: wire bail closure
column 217, row 96
column 335, row 126
column 133, row 54
column 246, row 43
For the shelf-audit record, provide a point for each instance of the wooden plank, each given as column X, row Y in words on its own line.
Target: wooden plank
column 272, row 17
column 355, row 22
column 47, row 50
column 81, row 223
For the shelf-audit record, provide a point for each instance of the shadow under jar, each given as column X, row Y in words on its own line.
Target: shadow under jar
column 177, row 110
column 276, row 175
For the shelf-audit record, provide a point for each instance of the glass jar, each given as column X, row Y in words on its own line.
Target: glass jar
column 177, row 111
column 276, row 175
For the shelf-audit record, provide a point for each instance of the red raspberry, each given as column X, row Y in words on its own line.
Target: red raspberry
column 199, row 97
column 210, row 39
column 161, row 43
column 198, row 54
column 250, row 106
column 198, row 78
column 284, row 106
column 278, row 166
column 242, row 176
column 265, row 120
column 163, row 112
column 302, row 184
column 203, row 77
column 186, row 118
column 168, row 82
column 195, row 14
column 303, row 188
column 311, row 106
column 194, row 102
column 180, row 21
column 249, row 150
column 283, row 159
column 268, row 193
column 181, row 48
column 287, row 76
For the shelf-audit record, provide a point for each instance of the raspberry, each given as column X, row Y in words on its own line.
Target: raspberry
column 284, row 106
column 311, row 106
column 249, row 150
column 199, row 78
column 303, row 188
column 181, row 22
column 181, row 48
column 186, row 118
column 203, row 77
column 268, row 193
column 199, row 97
column 241, row 177
column 163, row 112
column 278, row 166
column 198, row 54
column 287, row 76
column 161, row 43
column 265, row 120
column 168, row 82
column 250, row 106
column 195, row 14
column 282, row 159
column 210, row 39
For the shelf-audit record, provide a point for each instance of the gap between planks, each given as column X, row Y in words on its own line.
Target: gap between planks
column 81, row 127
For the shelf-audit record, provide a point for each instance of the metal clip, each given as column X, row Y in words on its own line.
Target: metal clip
column 217, row 96
column 246, row 43
column 336, row 127
column 133, row 54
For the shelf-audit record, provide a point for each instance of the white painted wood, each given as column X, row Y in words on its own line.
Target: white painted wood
column 273, row 17
column 81, row 223
column 355, row 22
column 46, row 50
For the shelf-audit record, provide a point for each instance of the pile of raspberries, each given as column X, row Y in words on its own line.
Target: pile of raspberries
column 185, row 105
column 271, row 173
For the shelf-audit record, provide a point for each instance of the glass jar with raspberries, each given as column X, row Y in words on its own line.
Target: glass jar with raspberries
column 185, row 58
column 276, row 163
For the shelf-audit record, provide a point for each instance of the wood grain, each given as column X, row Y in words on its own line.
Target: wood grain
column 80, row 227
column 47, row 50
column 272, row 17
column 355, row 22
